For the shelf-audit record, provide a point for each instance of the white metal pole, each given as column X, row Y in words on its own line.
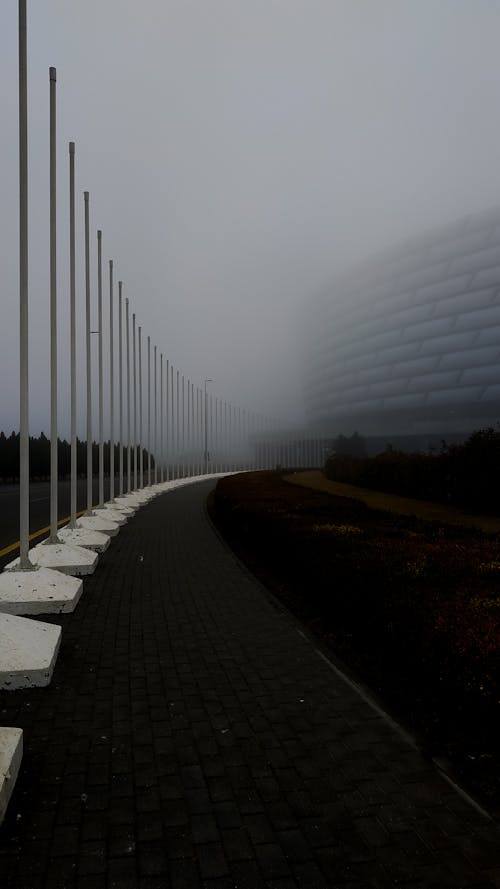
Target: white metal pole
column 183, row 437
column 216, row 436
column 211, row 434
column 220, row 437
column 120, row 382
column 111, row 390
column 188, row 428
column 129, row 467
column 193, row 434
column 200, row 434
column 141, row 455
column 235, row 437
column 206, row 425
column 135, row 400
column 89, row 369
column 72, row 331
column 206, row 430
column 167, row 424
column 240, row 466
column 24, row 453
column 53, row 538
column 172, row 422
column 161, row 417
column 188, row 433
column 149, row 410
column 221, row 458
column 177, row 429
column 226, row 449
column 156, row 426
column 101, row 409
column 196, row 462
column 244, row 438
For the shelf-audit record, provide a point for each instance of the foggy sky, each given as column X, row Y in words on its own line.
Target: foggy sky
column 239, row 154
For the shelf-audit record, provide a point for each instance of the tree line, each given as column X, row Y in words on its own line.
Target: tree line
column 463, row 475
column 40, row 458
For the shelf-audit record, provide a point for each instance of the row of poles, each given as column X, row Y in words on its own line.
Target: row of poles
column 188, row 430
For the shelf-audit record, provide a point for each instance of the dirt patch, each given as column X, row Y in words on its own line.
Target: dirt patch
column 411, row 606
column 423, row 509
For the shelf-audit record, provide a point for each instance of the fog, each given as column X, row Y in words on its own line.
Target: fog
column 239, row 155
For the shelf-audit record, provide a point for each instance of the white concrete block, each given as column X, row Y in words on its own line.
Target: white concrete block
column 28, row 652
column 121, row 507
column 94, row 523
column 126, row 501
column 42, row 591
column 113, row 515
column 11, row 752
column 62, row 557
column 135, row 500
column 95, row 540
column 144, row 494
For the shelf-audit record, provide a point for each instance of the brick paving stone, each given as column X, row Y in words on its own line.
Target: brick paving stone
column 192, row 738
column 237, row 844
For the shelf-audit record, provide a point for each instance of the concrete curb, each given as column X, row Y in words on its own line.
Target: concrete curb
column 11, row 751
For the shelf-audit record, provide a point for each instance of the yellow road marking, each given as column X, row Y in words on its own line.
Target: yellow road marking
column 14, row 546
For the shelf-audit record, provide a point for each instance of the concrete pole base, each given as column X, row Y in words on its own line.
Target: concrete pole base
column 42, row 591
column 133, row 501
column 114, row 515
column 28, row 652
column 94, row 540
column 95, row 523
column 120, row 507
column 11, row 752
column 73, row 560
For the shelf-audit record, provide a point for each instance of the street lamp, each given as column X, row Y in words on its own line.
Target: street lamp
column 206, row 426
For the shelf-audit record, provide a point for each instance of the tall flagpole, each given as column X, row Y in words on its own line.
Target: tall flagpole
column 149, row 411
column 54, row 471
column 99, row 335
column 172, row 423
column 177, row 428
column 120, row 381
column 193, row 434
column 161, row 416
column 167, row 423
column 183, row 439
column 24, row 470
column 89, row 370
column 156, row 429
column 72, row 291
column 111, row 391
column 141, row 455
column 135, row 401
column 129, row 478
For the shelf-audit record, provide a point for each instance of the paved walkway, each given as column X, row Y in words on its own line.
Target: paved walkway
column 193, row 737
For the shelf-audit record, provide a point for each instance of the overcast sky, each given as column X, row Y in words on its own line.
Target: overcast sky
column 238, row 155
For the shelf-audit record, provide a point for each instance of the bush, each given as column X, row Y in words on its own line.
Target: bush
column 464, row 475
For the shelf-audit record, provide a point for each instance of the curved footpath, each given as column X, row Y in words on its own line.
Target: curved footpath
column 192, row 736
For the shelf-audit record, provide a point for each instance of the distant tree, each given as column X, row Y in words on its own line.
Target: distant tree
column 39, row 454
column 352, row 446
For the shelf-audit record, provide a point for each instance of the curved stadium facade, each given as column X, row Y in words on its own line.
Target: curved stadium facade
column 409, row 344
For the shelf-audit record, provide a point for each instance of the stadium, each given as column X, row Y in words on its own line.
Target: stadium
column 408, row 344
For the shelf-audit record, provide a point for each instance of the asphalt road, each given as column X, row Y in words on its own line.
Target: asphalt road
column 39, row 508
